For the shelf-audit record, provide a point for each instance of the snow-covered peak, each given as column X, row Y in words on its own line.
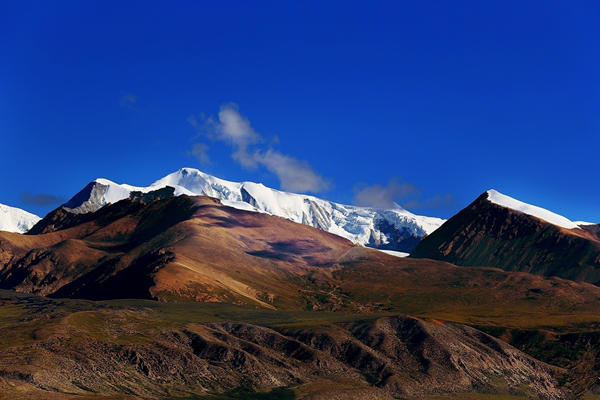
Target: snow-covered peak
column 14, row 219
column 535, row 211
column 394, row 229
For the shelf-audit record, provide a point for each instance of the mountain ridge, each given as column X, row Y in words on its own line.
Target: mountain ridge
column 390, row 229
column 486, row 233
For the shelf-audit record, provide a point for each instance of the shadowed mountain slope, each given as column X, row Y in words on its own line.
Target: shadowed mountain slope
column 486, row 233
column 178, row 247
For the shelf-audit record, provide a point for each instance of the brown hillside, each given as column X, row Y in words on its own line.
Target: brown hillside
column 194, row 248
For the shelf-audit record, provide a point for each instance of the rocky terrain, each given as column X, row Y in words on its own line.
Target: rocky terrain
column 194, row 248
column 53, row 349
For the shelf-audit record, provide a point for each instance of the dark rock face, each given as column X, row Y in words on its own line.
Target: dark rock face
column 387, row 357
column 399, row 239
column 485, row 234
column 158, row 194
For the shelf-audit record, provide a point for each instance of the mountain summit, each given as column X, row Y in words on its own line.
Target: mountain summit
column 538, row 212
column 391, row 229
column 497, row 230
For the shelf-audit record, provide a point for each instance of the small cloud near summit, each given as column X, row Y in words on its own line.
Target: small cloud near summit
column 384, row 196
column 128, row 100
column 403, row 193
column 41, row 199
column 200, row 151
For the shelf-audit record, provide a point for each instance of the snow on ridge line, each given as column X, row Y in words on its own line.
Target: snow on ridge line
column 506, row 201
column 584, row 223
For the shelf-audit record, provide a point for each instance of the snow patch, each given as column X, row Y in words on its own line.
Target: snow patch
column 395, row 253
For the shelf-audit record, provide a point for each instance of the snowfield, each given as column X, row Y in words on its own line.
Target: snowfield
column 14, row 219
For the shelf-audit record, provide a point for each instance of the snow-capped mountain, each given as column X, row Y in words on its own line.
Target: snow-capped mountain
column 392, row 229
column 14, row 219
column 505, row 201
column 499, row 231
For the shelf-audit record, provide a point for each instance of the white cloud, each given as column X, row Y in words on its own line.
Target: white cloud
column 234, row 129
column 200, row 151
column 294, row 175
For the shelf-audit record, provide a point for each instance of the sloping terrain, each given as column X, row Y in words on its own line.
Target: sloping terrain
column 490, row 234
column 260, row 320
column 194, row 248
column 56, row 349
column 178, row 247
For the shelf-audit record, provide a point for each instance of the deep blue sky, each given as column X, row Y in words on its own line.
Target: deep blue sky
column 450, row 97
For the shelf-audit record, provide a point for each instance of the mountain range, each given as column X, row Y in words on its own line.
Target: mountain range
column 393, row 229
column 195, row 287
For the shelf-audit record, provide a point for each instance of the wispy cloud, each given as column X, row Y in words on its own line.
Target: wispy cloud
column 200, row 151
column 41, row 199
column 397, row 192
column 439, row 201
column 128, row 100
column 248, row 150
column 294, row 175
